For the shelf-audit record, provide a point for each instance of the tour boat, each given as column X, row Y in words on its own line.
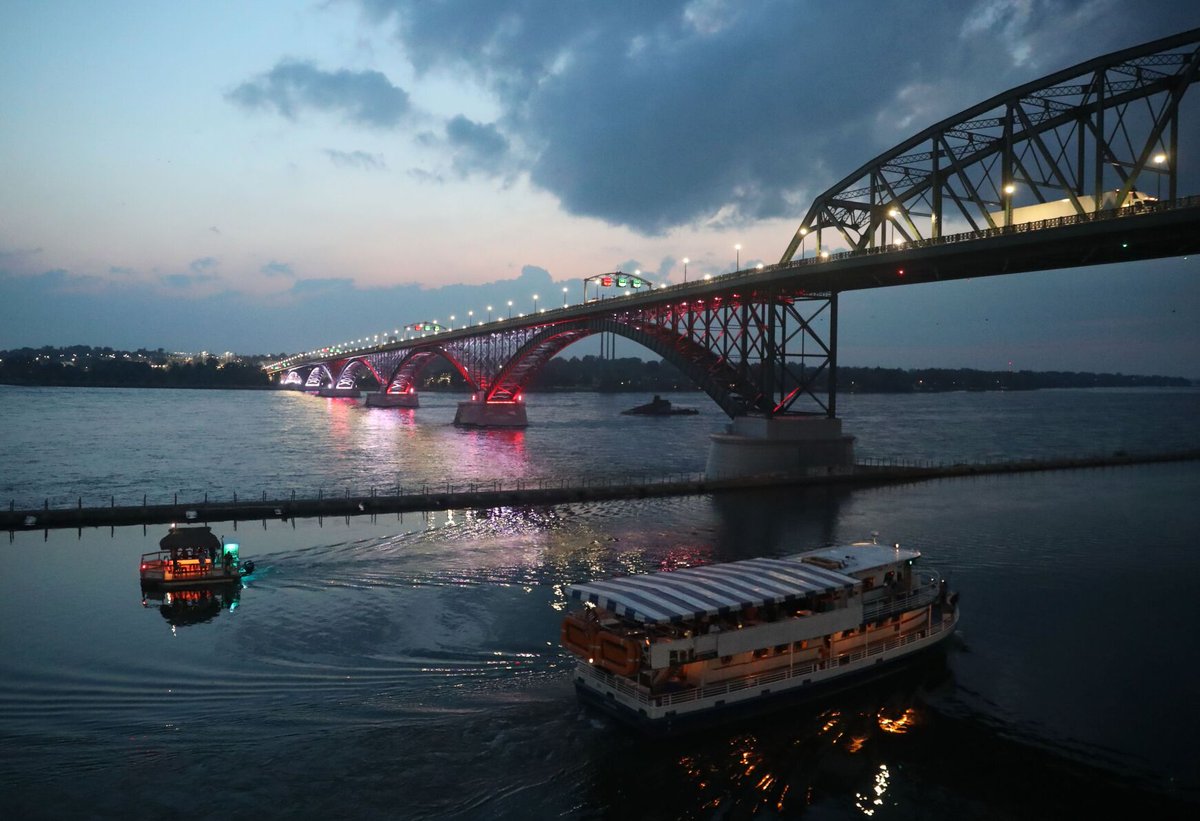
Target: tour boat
column 661, row 649
column 191, row 557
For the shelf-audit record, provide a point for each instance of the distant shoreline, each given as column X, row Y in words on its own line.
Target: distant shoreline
column 555, row 390
column 84, row 366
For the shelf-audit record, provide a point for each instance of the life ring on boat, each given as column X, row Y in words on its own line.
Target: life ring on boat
column 578, row 635
column 618, row 655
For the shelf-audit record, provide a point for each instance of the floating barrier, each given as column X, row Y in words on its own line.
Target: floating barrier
column 485, row 495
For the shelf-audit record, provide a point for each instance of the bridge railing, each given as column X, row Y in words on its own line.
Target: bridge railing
column 1102, row 215
column 1134, row 209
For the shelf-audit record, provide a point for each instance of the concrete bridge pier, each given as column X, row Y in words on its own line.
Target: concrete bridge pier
column 483, row 414
column 339, row 393
column 392, row 400
column 797, row 445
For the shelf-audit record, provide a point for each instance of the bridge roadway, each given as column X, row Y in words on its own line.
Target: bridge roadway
column 752, row 340
column 1143, row 232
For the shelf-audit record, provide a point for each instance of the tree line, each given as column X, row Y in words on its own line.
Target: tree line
column 85, row 366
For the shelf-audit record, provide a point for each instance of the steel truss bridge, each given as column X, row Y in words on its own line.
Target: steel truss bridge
column 949, row 203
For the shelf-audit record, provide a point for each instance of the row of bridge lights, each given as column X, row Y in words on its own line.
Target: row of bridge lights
column 373, row 341
column 1009, row 189
column 358, row 345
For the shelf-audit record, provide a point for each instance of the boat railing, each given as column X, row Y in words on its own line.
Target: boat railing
column 924, row 592
column 201, row 566
column 643, row 696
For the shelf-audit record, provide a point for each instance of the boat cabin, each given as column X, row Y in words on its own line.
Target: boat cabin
column 188, row 556
column 716, row 618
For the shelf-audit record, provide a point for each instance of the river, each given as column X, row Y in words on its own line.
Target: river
column 408, row 666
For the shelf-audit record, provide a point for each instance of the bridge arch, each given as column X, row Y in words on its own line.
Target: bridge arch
column 1078, row 140
column 723, row 383
column 318, row 376
column 402, row 376
column 347, row 375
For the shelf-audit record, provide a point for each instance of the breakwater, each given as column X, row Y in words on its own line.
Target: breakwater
column 486, row 495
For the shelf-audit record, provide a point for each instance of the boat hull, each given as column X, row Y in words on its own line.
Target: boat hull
column 670, row 713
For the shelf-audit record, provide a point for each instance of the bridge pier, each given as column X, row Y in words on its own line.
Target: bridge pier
column 339, row 393
column 757, row 445
column 391, row 400
column 484, row 414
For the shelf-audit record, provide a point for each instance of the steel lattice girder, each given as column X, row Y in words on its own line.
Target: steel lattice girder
column 1081, row 132
column 753, row 353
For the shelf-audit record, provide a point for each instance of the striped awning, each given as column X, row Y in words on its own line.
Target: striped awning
column 710, row 590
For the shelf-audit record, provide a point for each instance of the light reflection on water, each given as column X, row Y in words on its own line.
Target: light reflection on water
column 158, row 443
column 412, row 661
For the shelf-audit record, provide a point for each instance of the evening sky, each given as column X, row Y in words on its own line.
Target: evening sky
column 277, row 176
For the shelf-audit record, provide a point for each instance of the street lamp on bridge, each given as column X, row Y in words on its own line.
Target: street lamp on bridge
column 535, row 303
column 470, row 318
column 489, row 313
column 564, row 296
column 1159, row 160
column 737, row 250
column 803, row 236
column 685, row 262
column 510, row 309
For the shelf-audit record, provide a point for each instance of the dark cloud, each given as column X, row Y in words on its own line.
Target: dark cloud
column 356, row 159
column 477, row 146
column 362, row 97
column 655, row 115
column 200, row 270
column 422, row 175
column 278, row 269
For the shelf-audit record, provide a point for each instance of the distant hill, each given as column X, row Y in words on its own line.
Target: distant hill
column 81, row 365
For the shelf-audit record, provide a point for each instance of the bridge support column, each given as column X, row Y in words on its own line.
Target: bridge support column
column 391, row 400
column 756, row 445
column 482, row 414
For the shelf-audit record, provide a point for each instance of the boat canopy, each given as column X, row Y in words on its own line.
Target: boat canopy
column 710, row 590
column 201, row 538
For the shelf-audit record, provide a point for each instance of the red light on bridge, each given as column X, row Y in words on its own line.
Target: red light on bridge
column 606, row 281
column 900, row 272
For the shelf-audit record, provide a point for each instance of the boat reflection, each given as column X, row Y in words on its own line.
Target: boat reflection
column 187, row 606
column 838, row 750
